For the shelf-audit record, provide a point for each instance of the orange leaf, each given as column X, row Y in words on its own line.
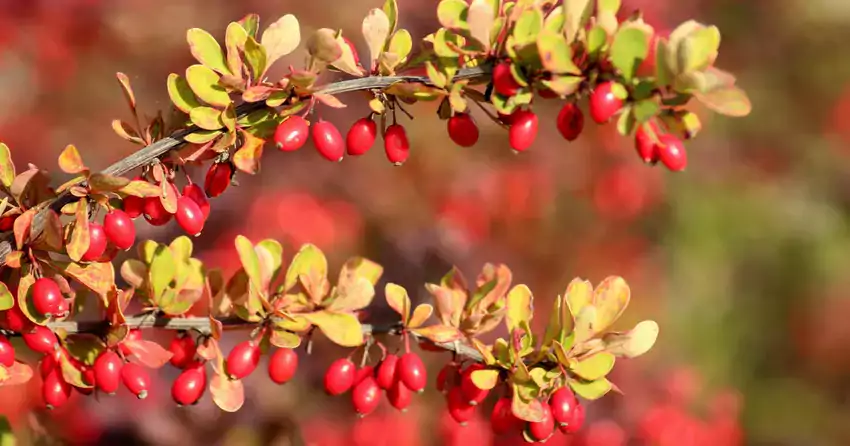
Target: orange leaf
column 398, row 300
column 138, row 188
column 80, row 238
column 247, row 158
column 127, row 90
column 70, row 161
column 148, row 353
column 228, row 395
column 98, row 277
column 19, row 373
column 22, row 227
column 439, row 333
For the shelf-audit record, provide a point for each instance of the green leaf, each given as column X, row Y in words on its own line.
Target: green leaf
column 597, row 38
column 281, row 38
column 555, row 21
column 665, row 69
column 202, row 136
column 563, row 85
column 234, row 41
column 528, row 26
column 633, row 343
column 437, row 78
column 250, row 261
column 207, row 118
column 84, row 347
column 390, row 8
column 555, row 53
column 728, row 101
column 341, row 328
column 7, row 167
column 594, row 367
column 699, row 49
column 6, row 299
column 162, row 272
column 645, row 109
column 270, row 254
column 520, row 306
column 206, row 50
column 626, row 121
column 628, row 50
column 181, row 94
column 592, row 390
column 452, row 14
column 309, row 260
column 400, row 44
column 7, row 437
column 255, row 57
column 204, row 82
column 251, row 24
column 610, row 298
column 576, row 15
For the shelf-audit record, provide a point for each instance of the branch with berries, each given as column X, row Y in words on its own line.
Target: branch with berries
column 60, row 243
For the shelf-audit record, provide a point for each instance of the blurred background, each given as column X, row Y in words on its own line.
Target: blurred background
column 742, row 259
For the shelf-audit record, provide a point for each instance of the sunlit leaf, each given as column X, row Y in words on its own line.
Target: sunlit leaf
column 610, row 298
column 528, row 410
column 255, row 57
column 284, row 339
column 6, row 299
column 206, row 50
column 228, row 395
column 398, row 300
column 485, row 379
column 592, row 390
column 250, row 261
column 420, row 315
column 579, row 293
column 70, row 160
column 595, row 366
column 148, row 353
column 633, row 343
column 376, row 30
column 80, row 237
column 204, row 82
column 98, row 277
column 207, row 118
column 7, row 167
column 439, row 333
column 353, row 296
column 281, row 38
column 181, row 93
column 341, row 328
column 520, row 306
column 163, row 271
column 309, row 259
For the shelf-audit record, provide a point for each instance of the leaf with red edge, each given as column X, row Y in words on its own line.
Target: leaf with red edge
column 124, row 81
column 138, row 188
column 126, row 131
column 81, row 237
column 228, row 395
column 439, row 333
column 7, row 167
column 398, row 300
column 70, row 161
column 247, row 158
column 148, row 353
column 98, row 277
column 19, row 373
column 22, row 227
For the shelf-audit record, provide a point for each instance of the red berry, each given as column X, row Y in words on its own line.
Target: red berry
column 562, row 403
column 471, row 392
column 132, row 335
column 182, row 350
column 7, row 223
column 291, row 134
column 366, row 396
column 339, row 377
column 363, row 373
column 463, row 130
column 218, row 179
column 243, row 359
column 411, row 372
column 46, row 297
column 188, row 388
column 446, row 377
column 459, row 409
column 49, row 362
column 107, row 371
column 55, row 390
column 646, row 147
column 197, row 195
column 155, row 212
column 328, row 141
column 133, row 206
column 400, row 396
column 119, row 229
column 570, row 121
column 546, row 93
column 387, row 372
column 64, row 309
column 575, row 422
column 503, row 80
column 671, row 151
column 7, row 352
column 136, row 379
column 361, row 136
column 189, row 216
column 283, row 364
column 523, row 131
column 97, row 243
column 502, row 420
column 604, row 104
column 41, row 340
column 507, row 119
column 542, row 430
column 396, row 144
column 16, row 321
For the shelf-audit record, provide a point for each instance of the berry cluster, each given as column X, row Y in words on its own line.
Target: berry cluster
column 190, row 209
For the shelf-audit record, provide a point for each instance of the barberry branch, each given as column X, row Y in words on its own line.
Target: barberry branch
column 159, row 148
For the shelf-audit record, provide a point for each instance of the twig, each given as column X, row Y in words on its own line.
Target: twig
column 157, row 149
column 202, row 325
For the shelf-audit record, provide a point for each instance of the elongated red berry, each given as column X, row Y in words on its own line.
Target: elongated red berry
column 361, row 136
column 16, row 321
column 155, row 212
column 604, row 103
column 399, row 396
column 502, row 420
column 7, row 223
column 503, row 81
column 396, row 144
column 46, row 296
column 542, row 430
column 562, row 402
column 523, row 131
column 339, row 377
column 189, row 216
column 671, row 152
column 183, row 349
column 136, row 379
column 645, row 145
column 188, row 388
column 411, row 372
column 49, row 362
column 218, row 179
column 570, row 121
column 107, row 371
column 366, row 396
column 119, row 229
column 328, row 141
column 363, row 373
column 459, row 409
column 41, row 340
column 97, row 243
column 446, row 377
column 283, row 364
column 471, row 392
column 386, row 375
column 55, row 390
column 292, row 134
column 243, row 359
column 575, row 422
column 196, row 194
column 7, row 352
column 463, row 130
column 134, row 206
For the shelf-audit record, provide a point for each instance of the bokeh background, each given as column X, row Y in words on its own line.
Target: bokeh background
column 742, row 259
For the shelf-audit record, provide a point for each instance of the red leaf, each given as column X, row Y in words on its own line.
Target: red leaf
column 148, row 353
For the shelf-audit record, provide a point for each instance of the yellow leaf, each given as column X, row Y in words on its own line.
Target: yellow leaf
column 439, row 333
column 610, row 298
column 310, row 260
column 398, row 300
column 579, row 293
column 420, row 314
column 341, row 328
column 7, row 167
column 485, row 379
column 247, row 158
column 633, row 343
column 353, row 296
column 80, row 238
column 585, row 321
column 520, row 306
column 228, row 395
column 595, row 366
column 70, row 161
